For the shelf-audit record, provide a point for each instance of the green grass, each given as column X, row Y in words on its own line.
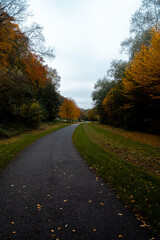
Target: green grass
column 135, row 185
column 9, row 148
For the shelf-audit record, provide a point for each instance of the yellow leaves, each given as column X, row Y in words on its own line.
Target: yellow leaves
column 39, row 207
column 102, row 204
column 143, row 72
column 69, row 110
column 120, row 236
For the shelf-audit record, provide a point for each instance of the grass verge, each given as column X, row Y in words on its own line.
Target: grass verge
column 134, row 184
column 9, row 148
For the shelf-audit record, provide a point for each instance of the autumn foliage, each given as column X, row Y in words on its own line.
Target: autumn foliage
column 143, row 73
column 69, row 110
column 28, row 88
column 133, row 101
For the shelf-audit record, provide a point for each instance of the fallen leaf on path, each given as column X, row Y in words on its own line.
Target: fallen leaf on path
column 14, row 232
column 90, row 201
column 52, row 230
column 120, row 214
column 120, row 236
column 100, row 192
column 66, row 225
column 12, row 223
column 65, row 201
column 39, row 207
column 73, row 230
column 59, row 228
column 94, row 229
column 102, row 204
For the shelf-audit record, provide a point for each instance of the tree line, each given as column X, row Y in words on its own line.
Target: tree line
column 129, row 95
column 28, row 87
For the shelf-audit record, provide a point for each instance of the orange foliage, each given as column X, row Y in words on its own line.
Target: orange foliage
column 69, row 110
column 7, row 41
column 35, row 69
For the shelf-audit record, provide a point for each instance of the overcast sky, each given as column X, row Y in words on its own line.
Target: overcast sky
column 86, row 35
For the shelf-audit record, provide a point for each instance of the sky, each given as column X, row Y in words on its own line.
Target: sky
column 86, row 37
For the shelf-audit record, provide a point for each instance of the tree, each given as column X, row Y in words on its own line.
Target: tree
column 92, row 115
column 112, row 105
column 141, row 85
column 14, row 10
column 69, row 110
column 117, row 70
column 49, row 100
column 101, row 89
column 145, row 18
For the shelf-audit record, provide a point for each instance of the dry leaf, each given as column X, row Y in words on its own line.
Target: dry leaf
column 120, row 214
column 65, row 201
column 90, row 201
column 120, row 236
column 102, row 204
column 39, row 207
column 52, row 230
column 94, row 229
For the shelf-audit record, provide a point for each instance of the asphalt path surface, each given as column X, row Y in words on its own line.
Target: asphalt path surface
column 49, row 192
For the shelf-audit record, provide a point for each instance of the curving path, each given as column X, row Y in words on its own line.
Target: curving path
column 49, row 192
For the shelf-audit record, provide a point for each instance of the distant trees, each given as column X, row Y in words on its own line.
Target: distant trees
column 69, row 110
column 130, row 97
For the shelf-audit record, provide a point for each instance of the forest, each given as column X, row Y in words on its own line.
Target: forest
column 129, row 95
column 29, row 91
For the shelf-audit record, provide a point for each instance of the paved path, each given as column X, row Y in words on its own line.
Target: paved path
column 49, row 192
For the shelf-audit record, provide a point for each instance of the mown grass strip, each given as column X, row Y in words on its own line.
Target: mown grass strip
column 138, row 153
column 9, row 148
column 136, row 187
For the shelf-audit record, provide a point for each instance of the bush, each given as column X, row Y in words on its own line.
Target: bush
column 31, row 114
